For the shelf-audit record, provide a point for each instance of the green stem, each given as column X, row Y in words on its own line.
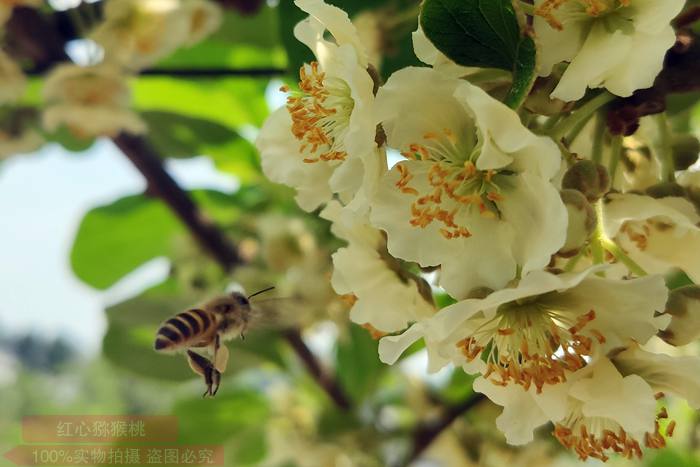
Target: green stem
column 551, row 121
column 615, row 152
column 575, row 131
column 527, row 8
column 601, row 243
column 596, row 244
column 598, row 137
column 620, row 255
column 571, row 264
column 664, row 149
column 582, row 113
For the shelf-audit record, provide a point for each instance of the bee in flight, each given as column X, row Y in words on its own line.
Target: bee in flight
column 206, row 328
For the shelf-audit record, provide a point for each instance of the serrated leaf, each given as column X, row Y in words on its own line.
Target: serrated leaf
column 483, row 33
column 473, row 32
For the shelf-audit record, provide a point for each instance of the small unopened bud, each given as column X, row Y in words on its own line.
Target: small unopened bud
column 589, row 178
column 662, row 190
column 684, row 307
column 582, row 221
column 686, row 149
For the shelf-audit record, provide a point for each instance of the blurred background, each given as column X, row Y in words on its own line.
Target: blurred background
column 93, row 259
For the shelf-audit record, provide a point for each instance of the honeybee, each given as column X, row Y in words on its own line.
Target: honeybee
column 206, row 328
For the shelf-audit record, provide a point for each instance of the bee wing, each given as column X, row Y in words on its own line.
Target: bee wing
column 275, row 312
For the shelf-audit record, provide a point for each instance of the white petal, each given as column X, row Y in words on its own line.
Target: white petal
column 391, row 347
column 415, row 101
column 337, row 22
column 624, row 309
column 629, row 401
column 639, row 70
column 600, row 52
column 676, row 375
column 282, row 162
column 535, row 211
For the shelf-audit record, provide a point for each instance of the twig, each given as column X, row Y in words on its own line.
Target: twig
column 428, row 432
column 687, row 17
column 161, row 184
column 330, row 385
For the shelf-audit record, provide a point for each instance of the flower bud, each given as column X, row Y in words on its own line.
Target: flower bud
column 662, row 190
column 686, row 149
column 684, row 307
column 589, row 178
column 582, row 221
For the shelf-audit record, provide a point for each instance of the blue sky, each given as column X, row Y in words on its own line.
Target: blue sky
column 43, row 197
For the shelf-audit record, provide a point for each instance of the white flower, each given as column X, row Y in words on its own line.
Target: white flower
column 474, row 194
column 616, row 44
column 12, row 79
column 658, row 234
column 323, row 142
column 386, row 300
column 609, row 413
column 90, row 101
column 536, row 333
column 597, row 412
column 138, row 33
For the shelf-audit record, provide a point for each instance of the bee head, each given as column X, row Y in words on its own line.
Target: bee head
column 232, row 303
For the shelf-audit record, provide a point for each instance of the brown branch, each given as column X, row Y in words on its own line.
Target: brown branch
column 687, row 17
column 161, row 184
column 330, row 385
column 427, row 432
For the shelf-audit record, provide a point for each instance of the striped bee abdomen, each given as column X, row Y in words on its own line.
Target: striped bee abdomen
column 184, row 329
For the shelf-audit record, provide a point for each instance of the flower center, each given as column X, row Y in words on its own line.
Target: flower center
column 320, row 113
column 528, row 343
column 597, row 437
column 558, row 12
column 455, row 184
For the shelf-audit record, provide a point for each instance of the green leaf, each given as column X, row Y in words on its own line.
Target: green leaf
column 232, row 102
column 523, row 73
column 114, row 240
column 483, row 33
column 214, row 421
column 358, row 366
column 182, row 136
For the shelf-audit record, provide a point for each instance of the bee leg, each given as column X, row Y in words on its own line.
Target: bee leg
column 203, row 367
column 221, row 359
